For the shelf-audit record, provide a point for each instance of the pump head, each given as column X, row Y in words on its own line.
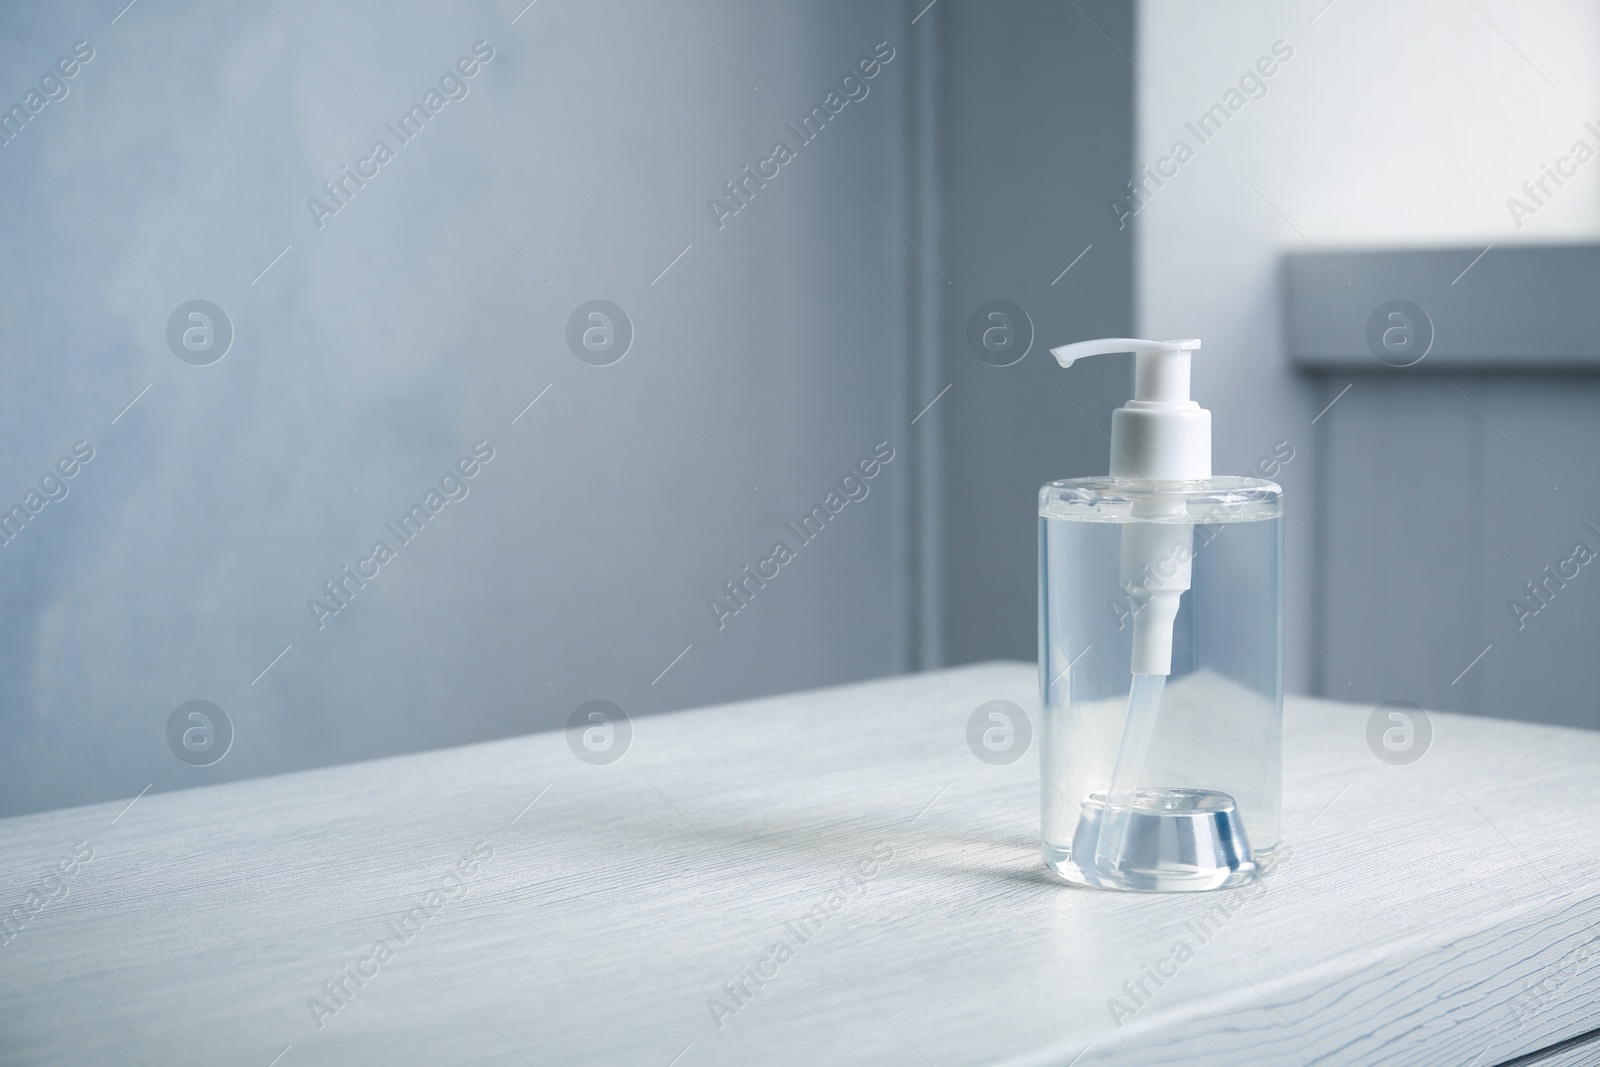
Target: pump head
column 1160, row 435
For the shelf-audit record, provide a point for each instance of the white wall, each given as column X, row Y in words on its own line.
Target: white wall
column 1391, row 125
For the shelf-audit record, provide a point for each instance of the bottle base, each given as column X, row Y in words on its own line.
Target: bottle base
column 1173, row 840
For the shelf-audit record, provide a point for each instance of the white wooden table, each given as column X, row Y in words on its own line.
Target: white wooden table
column 1438, row 913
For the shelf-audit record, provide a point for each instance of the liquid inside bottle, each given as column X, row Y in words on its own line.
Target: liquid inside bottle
column 1152, row 782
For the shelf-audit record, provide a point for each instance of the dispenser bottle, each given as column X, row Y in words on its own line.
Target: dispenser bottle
column 1160, row 650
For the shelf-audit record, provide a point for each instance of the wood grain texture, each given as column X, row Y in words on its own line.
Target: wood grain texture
column 1427, row 914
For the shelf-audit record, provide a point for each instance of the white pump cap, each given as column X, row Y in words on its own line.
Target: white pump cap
column 1160, row 435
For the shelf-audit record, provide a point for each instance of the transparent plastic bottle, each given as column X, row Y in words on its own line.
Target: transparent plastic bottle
column 1207, row 802
column 1160, row 650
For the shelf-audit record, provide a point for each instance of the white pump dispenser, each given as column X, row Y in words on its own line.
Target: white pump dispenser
column 1159, row 436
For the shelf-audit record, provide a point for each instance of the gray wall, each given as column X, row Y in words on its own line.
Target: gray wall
column 1442, row 506
column 1038, row 105
column 1459, row 505
column 424, row 317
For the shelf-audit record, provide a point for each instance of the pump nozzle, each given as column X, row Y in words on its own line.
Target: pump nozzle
column 1160, row 435
column 1067, row 354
